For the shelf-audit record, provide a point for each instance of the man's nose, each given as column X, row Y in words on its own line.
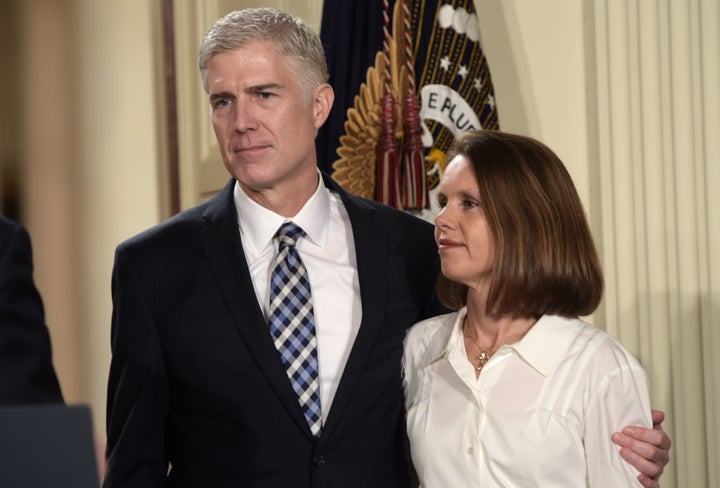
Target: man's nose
column 245, row 119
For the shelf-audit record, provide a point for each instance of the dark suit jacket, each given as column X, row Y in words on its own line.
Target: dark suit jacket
column 196, row 381
column 26, row 371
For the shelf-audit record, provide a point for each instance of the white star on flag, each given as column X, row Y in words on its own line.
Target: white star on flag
column 445, row 63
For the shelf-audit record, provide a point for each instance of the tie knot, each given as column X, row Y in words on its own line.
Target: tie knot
column 289, row 233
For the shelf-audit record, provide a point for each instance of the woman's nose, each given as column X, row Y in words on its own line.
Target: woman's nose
column 442, row 219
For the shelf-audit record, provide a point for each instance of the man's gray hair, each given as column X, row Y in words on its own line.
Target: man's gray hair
column 291, row 35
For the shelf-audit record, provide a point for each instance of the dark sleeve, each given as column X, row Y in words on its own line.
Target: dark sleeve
column 137, row 401
column 26, row 370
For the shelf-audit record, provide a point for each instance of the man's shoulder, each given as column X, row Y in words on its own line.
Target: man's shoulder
column 161, row 251
column 8, row 227
column 182, row 224
column 6, row 224
column 13, row 235
column 185, row 224
column 393, row 218
column 379, row 210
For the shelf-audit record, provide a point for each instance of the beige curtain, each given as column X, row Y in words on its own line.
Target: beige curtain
column 656, row 78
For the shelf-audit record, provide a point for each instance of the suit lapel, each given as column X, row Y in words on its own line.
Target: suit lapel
column 371, row 249
column 222, row 246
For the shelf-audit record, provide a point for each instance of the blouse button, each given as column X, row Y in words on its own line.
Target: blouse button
column 469, row 450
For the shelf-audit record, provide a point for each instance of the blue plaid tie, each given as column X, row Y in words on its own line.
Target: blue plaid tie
column 292, row 323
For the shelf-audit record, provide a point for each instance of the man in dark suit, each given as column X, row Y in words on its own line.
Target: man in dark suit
column 27, row 375
column 199, row 394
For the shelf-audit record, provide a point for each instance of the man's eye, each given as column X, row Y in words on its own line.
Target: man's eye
column 221, row 102
column 442, row 202
column 265, row 95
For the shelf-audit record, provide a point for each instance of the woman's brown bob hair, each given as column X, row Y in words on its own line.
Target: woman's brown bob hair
column 545, row 261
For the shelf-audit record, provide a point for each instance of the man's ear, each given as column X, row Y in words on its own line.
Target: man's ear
column 322, row 103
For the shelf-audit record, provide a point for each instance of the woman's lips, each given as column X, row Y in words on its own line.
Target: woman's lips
column 444, row 244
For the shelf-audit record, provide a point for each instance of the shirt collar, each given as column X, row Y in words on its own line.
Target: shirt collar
column 542, row 347
column 258, row 224
column 447, row 338
column 545, row 344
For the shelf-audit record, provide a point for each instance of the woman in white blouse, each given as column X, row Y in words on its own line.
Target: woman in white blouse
column 512, row 389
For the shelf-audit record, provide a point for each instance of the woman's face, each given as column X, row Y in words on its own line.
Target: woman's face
column 464, row 239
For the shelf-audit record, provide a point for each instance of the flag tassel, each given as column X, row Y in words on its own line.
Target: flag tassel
column 388, row 169
column 415, row 190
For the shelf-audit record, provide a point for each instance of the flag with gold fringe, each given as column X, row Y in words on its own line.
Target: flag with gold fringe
column 408, row 75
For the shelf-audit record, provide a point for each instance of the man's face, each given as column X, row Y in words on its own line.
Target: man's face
column 264, row 122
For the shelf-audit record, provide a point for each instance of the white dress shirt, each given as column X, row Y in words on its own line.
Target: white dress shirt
column 540, row 414
column 328, row 252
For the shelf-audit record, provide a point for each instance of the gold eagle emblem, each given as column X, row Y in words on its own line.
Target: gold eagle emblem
column 355, row 169
column 457, row 94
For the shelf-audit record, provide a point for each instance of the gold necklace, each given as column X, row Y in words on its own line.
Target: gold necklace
column 485, row 356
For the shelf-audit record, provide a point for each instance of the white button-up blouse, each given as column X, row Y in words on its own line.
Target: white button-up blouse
column 540, row 415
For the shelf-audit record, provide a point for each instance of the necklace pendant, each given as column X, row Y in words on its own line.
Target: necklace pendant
column 482, row 359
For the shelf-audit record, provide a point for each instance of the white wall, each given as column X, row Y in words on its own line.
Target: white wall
column 93, row 156
column 536, row 54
